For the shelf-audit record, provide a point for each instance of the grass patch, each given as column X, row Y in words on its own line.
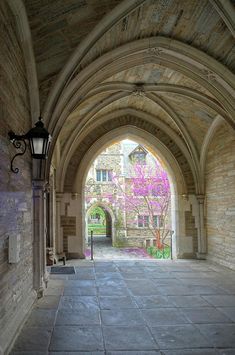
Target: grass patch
column 159, row 253
column 98, row 229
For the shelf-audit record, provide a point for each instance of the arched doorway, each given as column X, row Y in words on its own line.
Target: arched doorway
column 177, row 183
column 100, row 220
column 100, row 223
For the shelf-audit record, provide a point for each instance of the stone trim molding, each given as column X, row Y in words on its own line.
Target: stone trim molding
column 162, row 88
column 108, row 21
column 182, row 128
column 40, row 276
column 218, row 121
column 21, row 19
column 226, row 11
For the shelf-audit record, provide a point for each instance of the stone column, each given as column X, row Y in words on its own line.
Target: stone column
column 39, row 237
column 59, row 236
column 202, row 247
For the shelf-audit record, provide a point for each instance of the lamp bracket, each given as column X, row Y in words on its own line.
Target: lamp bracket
column 18, row 144
column 39, row 141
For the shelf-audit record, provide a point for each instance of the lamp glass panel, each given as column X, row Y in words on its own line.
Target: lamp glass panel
column 37, row 145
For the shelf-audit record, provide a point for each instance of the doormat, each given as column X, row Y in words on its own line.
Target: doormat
column 62, row 270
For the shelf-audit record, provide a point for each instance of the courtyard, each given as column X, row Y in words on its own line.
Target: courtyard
column 135, row 306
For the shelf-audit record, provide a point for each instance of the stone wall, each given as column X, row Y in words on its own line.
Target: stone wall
column 16, row 280
column 110, row 159
column 70, row 230
column 220, row 198
column 191, row 231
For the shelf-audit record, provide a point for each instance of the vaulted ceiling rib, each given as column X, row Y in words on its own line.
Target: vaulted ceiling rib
column 95, row 58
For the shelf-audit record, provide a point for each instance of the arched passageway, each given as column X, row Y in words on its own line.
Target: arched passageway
column 160, row 72
column 177, row 182
column 99, row 221
column 99, row 229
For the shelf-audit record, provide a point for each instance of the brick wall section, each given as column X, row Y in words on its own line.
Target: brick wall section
column 16, row 280
column 220, row 198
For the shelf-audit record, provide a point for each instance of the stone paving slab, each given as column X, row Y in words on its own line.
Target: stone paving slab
column 113, row 302
column 164, row 316
column 190, row 352
column 219, row 335
column 72, row 338
column 155, row 352
column 228, row 311
column 207, row 315
column 81, row 277
column 221, row 301
column 33, row 339
column 77, row 353
column 179, row 337
column 29, row 353
column 113, row 291
column 128, row 338
column 188, row 301
column 122, row 312
column 125, row 317
column 153, row 301
column 48, row 302
column 73, row 303
column 80, row 291
column 41, row 318
column 110, row 282
column 145, row 291
column 78, row 317
column 80, row 283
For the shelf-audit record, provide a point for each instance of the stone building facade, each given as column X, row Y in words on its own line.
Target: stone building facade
column 102, row 189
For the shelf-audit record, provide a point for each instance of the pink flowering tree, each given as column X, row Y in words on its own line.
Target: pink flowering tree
column 146, row 194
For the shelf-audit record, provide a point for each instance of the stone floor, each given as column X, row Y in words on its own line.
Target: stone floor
column 134, row 307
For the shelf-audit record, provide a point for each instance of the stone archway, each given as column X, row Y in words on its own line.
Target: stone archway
column 178, row 186
column 110, row 220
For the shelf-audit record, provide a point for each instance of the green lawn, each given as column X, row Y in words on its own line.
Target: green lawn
column 98, row 229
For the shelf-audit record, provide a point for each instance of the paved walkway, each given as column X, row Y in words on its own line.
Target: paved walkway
column 103, row 250
column 134, row 307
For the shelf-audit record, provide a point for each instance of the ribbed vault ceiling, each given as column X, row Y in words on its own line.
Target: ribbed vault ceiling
column 89, row 65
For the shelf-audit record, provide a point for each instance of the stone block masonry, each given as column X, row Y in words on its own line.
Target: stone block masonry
column 16, row 280
column 220, row 198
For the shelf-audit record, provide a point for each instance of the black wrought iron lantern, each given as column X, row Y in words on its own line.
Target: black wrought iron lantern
column 39, row 142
